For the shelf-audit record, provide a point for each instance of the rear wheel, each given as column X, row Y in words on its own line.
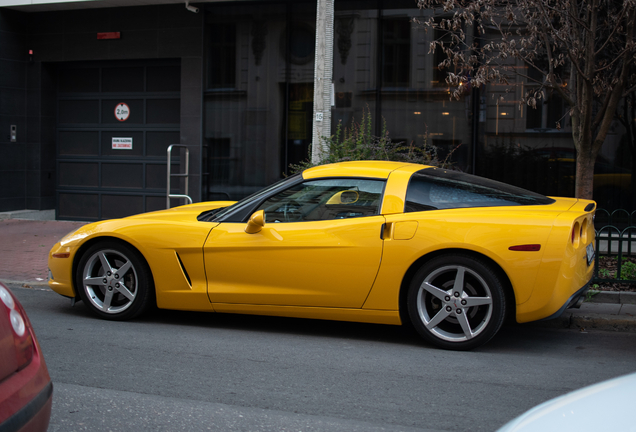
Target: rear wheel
column 456, row 302
column 114, row 281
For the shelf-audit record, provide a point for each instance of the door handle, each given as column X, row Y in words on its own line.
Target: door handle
column 385, row 230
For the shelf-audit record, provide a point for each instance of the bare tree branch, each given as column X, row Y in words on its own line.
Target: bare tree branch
column 582, row 49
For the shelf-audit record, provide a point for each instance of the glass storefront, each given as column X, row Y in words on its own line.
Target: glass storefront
column 258, row 101
column 258, row 97
column 382, row 66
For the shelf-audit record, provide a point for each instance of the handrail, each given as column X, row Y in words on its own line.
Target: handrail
column 185, row 175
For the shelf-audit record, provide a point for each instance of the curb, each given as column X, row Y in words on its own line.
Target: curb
column 604, row 322
column 613, row 297
column 604, row 310
column 39, row 215
column 585, row 321
column 26, row 284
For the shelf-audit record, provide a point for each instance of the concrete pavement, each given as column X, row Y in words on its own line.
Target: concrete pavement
column 27, row 236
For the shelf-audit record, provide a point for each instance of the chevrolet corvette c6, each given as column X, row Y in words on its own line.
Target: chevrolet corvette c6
column 379, row 242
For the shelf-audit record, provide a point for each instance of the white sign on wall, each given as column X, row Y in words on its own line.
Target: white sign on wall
column 122, row 143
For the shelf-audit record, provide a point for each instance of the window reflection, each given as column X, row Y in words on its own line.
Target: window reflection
column 382, row 64
column 258, row 100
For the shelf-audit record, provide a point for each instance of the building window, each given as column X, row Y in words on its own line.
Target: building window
column 550, row 109
column 222, row 56
column 549, row 112
column 440, row 73
column 396, row 53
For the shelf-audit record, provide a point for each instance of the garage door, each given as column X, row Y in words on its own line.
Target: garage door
column 115, row 121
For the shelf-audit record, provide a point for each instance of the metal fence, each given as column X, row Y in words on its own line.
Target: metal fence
column 615, row 240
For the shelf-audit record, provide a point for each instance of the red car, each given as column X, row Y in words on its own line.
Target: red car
column 26, row 391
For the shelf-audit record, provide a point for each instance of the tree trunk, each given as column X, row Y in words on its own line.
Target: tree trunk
column 584, row 175
column 630, row 132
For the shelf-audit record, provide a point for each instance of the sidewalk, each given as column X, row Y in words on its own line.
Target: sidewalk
column 25, row 244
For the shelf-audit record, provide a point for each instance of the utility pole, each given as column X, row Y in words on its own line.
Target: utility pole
column 323, row 78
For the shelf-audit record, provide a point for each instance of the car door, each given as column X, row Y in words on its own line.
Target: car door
column 320, row 245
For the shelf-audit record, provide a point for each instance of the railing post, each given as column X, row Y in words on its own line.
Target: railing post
column 185, row 175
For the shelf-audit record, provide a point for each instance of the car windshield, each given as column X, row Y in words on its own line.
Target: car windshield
column 220, row 213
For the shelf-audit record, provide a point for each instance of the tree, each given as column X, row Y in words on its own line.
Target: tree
column 580, row 49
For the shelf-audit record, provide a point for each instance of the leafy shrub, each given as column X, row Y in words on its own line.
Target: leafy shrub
column 359, row 143
column 628, row 270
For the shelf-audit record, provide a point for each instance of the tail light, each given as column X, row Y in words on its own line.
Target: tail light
column 584, row 230
column 576, row 234
column 22, row 339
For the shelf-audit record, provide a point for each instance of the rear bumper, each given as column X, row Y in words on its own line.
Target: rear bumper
column 34, row 416
column 572, row 302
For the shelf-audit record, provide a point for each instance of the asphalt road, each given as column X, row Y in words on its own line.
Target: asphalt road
column 182, row 371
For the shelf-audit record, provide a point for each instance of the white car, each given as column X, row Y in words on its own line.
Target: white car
column 606, row 406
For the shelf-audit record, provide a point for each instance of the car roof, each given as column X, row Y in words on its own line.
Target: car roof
column 374, row 169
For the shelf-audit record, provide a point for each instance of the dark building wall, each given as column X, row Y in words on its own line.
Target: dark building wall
column 28, row 97
column 146, row 32
column 15, row 157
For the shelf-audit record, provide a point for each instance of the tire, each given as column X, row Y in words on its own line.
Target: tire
column 114, row 281
column 456, row 302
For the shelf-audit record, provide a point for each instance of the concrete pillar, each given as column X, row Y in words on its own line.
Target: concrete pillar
column 323, row 77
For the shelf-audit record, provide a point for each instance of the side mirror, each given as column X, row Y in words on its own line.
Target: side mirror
column 256, row 222
column 344, row 197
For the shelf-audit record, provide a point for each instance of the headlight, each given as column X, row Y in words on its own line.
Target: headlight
column 69, row 235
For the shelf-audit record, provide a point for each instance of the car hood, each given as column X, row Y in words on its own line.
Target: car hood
column 183, row 214
column 186, row 213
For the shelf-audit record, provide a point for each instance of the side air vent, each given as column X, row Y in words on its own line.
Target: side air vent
column 590, row 207
column 185, row 272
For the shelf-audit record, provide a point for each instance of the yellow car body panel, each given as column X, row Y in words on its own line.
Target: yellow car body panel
column 344, row 269
column 483, row 232
column 164, row 238
column 330, row 263
column 369, row 169
column 561, row 273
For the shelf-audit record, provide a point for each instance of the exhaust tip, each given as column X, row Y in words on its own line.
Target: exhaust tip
column 579, row 302
column 576, row 303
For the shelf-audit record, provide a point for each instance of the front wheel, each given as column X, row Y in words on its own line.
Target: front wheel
column 456, row 302
column 114, row 281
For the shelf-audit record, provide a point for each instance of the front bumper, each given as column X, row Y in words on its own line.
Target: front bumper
column 61, row 271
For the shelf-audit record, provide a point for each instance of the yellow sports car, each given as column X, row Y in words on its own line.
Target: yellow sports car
column 378, row 242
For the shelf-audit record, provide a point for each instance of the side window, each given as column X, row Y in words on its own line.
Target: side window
column 433, row 189
column 316, row 200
